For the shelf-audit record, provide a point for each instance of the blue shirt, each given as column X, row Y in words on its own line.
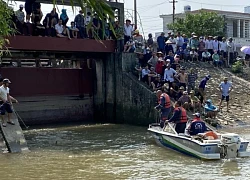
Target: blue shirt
column 161, row 42
column 197, row 127
column 203, row 83
column 225, row 88
column 210, row 107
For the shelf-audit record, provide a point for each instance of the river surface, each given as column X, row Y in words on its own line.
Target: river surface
column 111, row 152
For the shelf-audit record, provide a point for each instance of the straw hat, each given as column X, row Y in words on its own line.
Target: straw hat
column 192, row 92
column 168, row 42
column 159, row 52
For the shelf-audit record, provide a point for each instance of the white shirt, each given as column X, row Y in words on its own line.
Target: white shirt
column 225, row 88
column 128, row 30
column 87, row 20
column 216, row 45
column 173, row 43
column 223, row 46
column 209, row 44
column 59, row 28
column 145, row 72
column 231, row 47
column 3, row 92
column 179, row 41
column 169, row 74
column 206, row 54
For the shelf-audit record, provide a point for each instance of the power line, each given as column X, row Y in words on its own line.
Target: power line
column 213, row 4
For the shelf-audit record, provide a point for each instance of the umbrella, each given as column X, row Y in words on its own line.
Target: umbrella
column 245, row 49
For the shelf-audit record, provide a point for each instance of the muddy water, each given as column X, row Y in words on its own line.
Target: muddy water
column 110, row 152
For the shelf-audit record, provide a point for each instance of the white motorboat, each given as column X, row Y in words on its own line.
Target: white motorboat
column 227, row 145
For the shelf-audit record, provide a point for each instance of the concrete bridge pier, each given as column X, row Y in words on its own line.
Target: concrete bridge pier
column 118, row 96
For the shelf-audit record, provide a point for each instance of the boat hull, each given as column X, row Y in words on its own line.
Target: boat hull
column 187, row 147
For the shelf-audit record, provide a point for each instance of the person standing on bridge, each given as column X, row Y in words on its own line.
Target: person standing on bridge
column 225, row 89
column 5, row 101
column 164, row 105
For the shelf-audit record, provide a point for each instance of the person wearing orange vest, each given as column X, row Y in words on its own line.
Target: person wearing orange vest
column 179, row 118
column 197, row 125
column 164, row 105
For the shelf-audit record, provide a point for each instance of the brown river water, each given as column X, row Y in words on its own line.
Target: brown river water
column 111, row 152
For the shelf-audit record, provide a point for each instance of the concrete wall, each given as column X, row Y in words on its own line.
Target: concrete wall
column 119, row 96
column 54, row 109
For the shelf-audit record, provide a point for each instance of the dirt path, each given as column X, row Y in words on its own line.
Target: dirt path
column 239, row 98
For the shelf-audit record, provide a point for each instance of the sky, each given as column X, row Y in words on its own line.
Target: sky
column 150, row 10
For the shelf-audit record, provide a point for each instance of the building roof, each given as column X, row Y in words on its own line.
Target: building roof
column 211, row 10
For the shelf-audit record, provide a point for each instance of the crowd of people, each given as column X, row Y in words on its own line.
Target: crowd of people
column 87, row 25
column 162, row 71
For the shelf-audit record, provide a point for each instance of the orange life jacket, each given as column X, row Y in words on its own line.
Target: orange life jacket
column 167, row 100
column 183, row 118
column 211, row 134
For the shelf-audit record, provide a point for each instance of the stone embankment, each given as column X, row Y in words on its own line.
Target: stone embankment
column 239, row 113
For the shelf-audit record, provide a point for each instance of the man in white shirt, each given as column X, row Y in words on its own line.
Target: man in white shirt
column 128, row 29
column 169, row 75
column 62, row 30
column 173, row 42
column 206, row 56
column 225, row 89
column 216, row 44
column 5, row 101
column 223, row 47
column 231, row 48
column 179, row 41
column 209, row 46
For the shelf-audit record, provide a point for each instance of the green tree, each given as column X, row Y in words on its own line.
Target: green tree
column 6, row 25
column 203, row 24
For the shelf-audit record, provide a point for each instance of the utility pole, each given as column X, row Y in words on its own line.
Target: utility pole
column 135, row 11
column 173, row 2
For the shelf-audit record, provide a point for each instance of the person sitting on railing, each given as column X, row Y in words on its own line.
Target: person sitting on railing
column 49, row 22
column 64, row 17
column 79, row 22
column 129, row 46
column 20, row 21
column 73, row 30
column 179, row 118
column 39, row 29
column 197, row 125
column 61, row 30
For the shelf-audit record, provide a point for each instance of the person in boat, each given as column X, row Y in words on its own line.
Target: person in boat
column 197, row 125
column 211, row 111
column 179, row 118
column 164, row 105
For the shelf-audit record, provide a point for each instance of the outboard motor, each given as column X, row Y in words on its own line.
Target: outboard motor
column 230, row 145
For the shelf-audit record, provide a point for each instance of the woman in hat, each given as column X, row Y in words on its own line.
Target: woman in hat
column 168, row 47
column 211, row 111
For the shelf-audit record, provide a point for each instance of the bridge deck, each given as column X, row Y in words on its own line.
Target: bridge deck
column 13, row 136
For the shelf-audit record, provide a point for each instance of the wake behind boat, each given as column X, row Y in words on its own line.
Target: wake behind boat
column 202, row 146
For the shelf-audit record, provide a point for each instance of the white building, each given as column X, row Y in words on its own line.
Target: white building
column 238, row 24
